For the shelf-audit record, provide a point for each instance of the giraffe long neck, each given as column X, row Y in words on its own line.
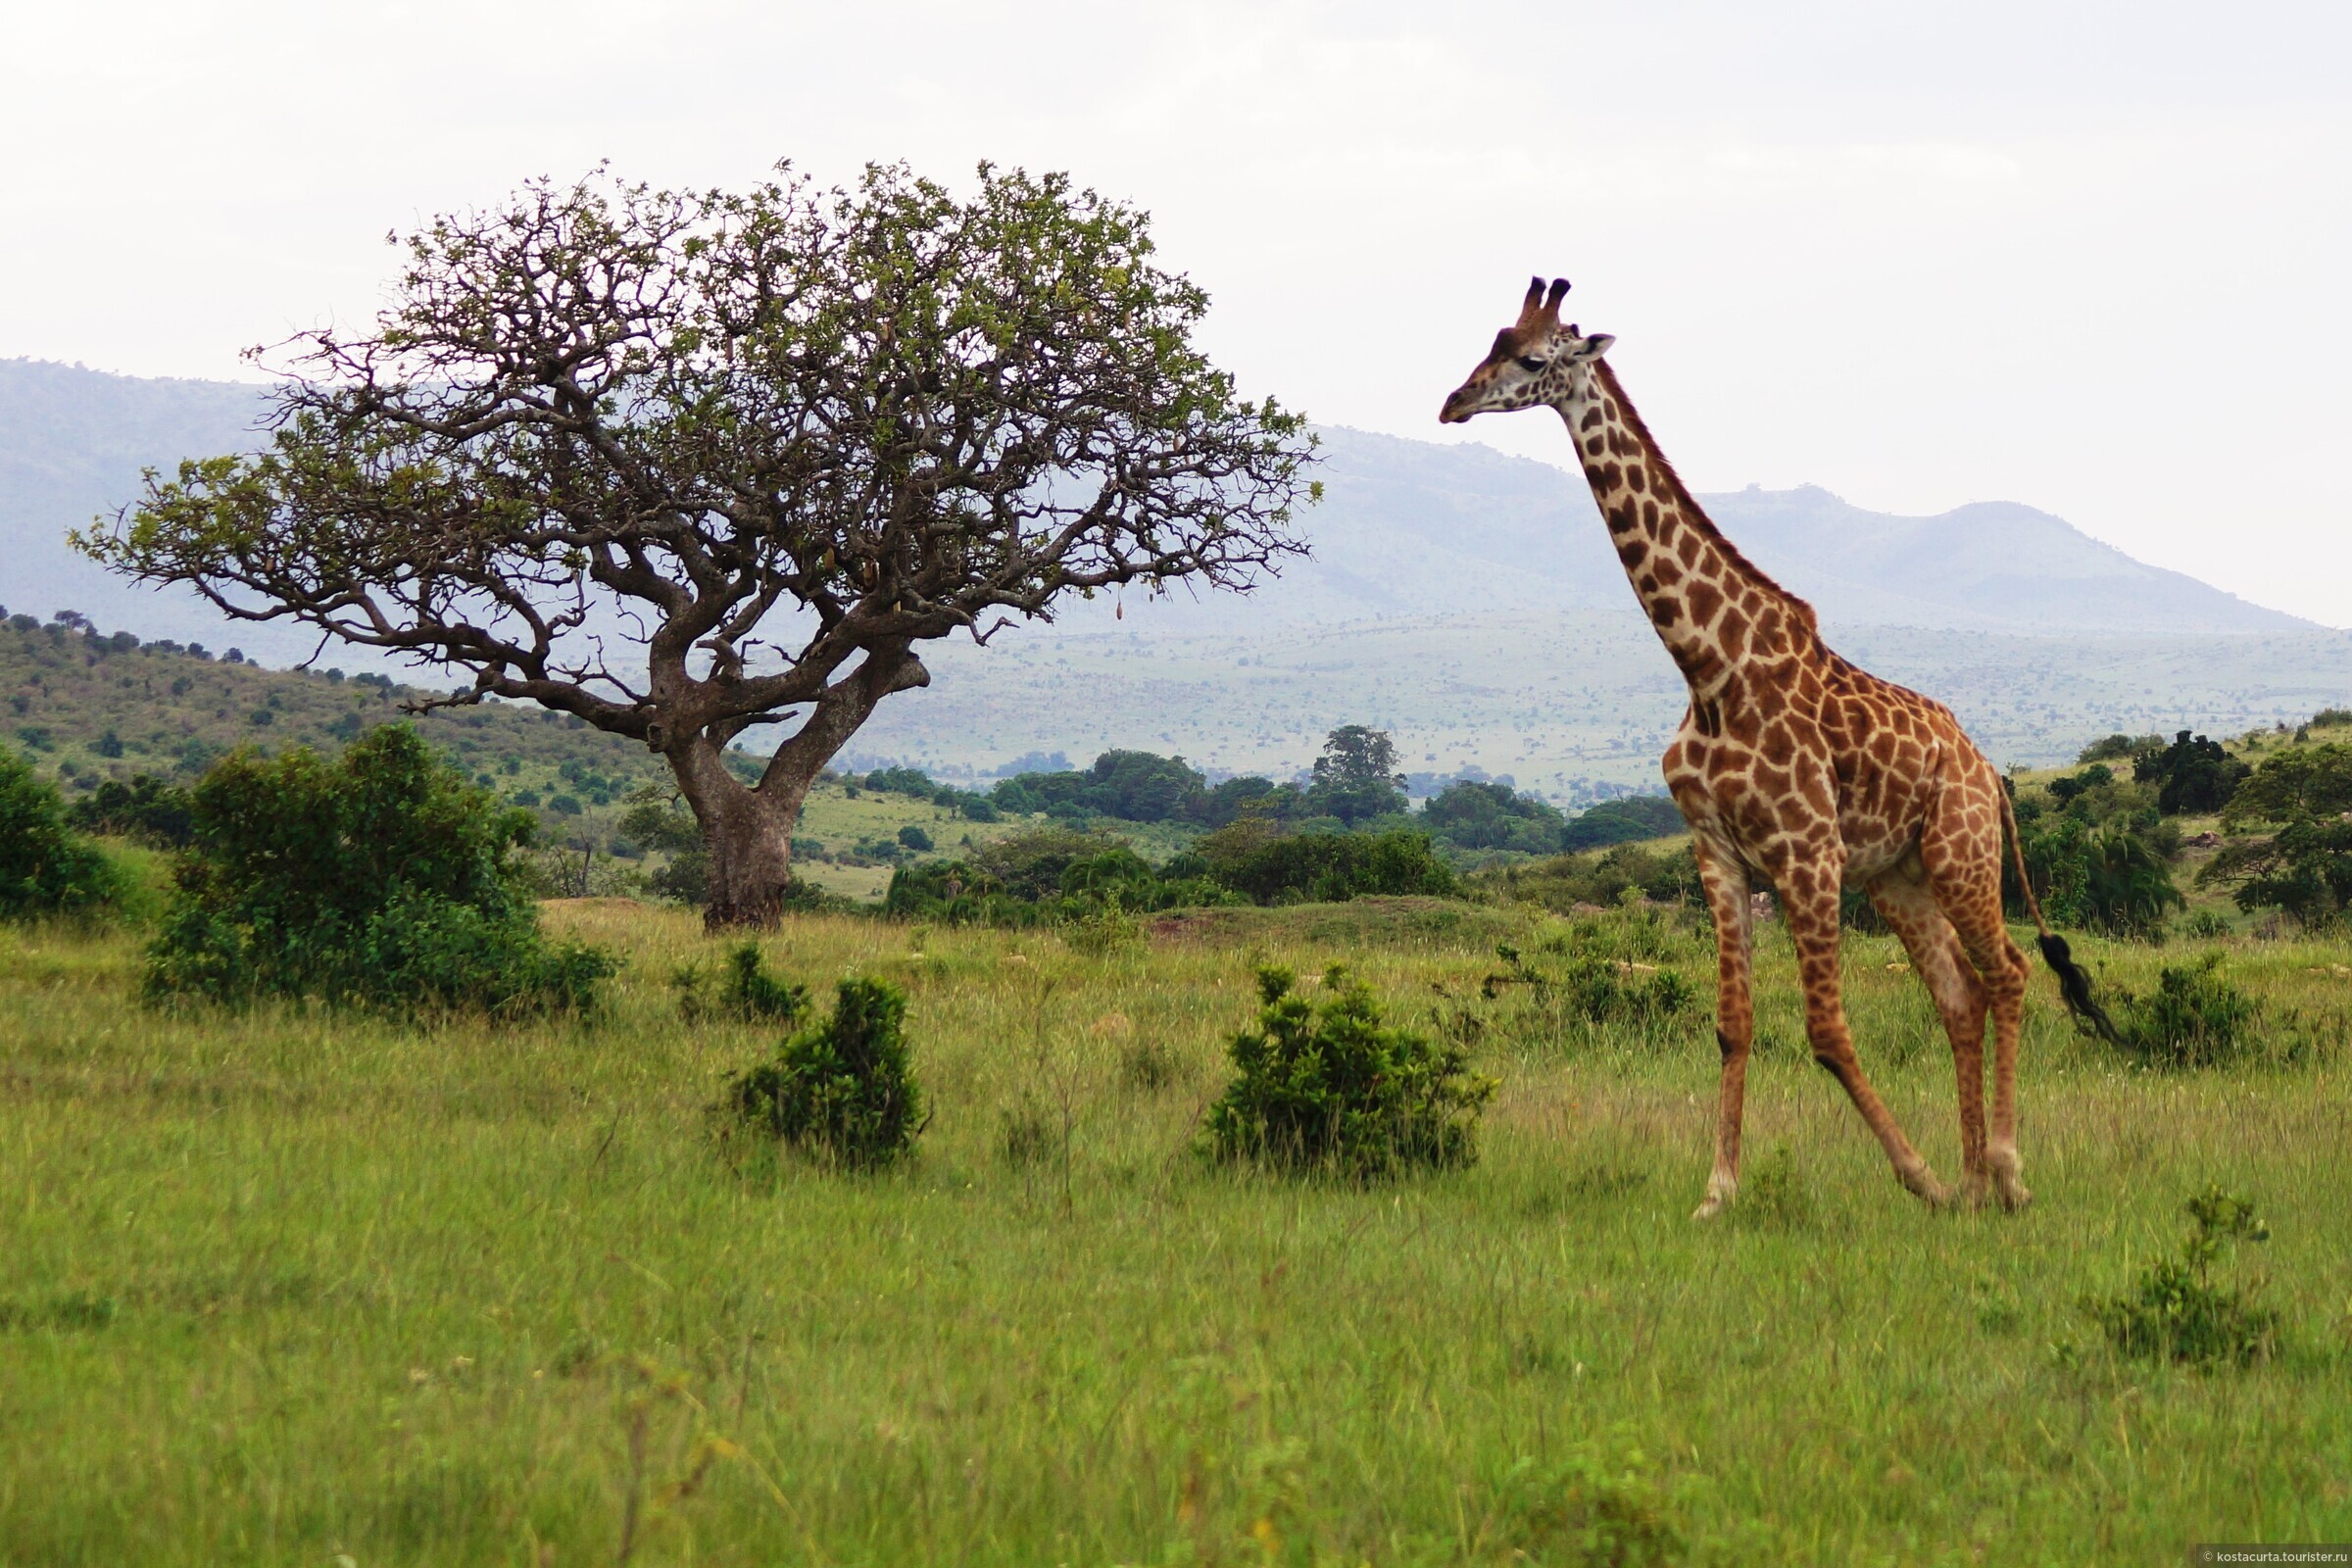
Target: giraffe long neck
column 1712, row 608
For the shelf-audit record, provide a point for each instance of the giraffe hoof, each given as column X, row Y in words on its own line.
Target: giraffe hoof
column 1924, row 1186
column 1715, row 1205
column 1974, row 1194
column 2015, row 1196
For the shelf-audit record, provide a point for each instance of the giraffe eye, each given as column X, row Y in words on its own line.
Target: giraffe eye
column 1528, row 361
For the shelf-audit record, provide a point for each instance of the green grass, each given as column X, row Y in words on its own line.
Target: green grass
column 290, row 1285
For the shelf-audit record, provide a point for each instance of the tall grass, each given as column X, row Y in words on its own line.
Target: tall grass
column 292, row 1284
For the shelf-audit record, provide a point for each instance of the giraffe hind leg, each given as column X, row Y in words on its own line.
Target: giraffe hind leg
column 1901, row 896
column 1960, row 847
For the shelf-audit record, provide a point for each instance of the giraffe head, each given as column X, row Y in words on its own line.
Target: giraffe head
column 1536, row 360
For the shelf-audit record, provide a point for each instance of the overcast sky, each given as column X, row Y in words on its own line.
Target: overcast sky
column 2092, row 258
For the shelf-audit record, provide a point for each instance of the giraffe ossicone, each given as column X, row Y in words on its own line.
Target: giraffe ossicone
column 1795, row 767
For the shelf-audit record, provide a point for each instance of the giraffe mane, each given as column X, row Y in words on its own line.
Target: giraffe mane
column 1662, row 472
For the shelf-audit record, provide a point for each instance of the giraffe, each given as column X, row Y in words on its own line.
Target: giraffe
column 1794, row 766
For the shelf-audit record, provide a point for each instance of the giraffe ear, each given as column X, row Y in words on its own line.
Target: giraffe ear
column 1593, row 347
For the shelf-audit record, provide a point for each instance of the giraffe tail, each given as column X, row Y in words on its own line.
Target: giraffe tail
column 2074, row 985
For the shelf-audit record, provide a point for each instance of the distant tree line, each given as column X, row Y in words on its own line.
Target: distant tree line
column 1052, row 873
column 1353, row 787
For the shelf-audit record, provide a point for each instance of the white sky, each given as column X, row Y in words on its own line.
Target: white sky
column 2091, row 257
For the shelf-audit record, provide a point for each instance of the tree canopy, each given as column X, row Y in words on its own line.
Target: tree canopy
column 686, row 462
column 1356, row 775
column 2304, row 865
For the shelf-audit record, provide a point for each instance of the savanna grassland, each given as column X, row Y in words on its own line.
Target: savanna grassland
column 297, row 1287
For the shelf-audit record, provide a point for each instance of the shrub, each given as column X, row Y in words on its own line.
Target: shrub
column 2192, row 776
column 2175, row 1313
column 1477, row 814
column 1330, row 1087
column 1090, row 886
column 1601, row 1507
column 1773, row 1194
column 2206, row 925
column 2110, row 878
column 1101, row 932
column 1332, row 868
column 381, row 879
column 2305, row 867
column 45, row 866
column 1620, row 821
column 1595, row 988
column 657, row 819
column 2118, row 747
column 2194, row 1018
column 146, row 809
column 844, row 1088
column 743, row 989
column 1564, row 882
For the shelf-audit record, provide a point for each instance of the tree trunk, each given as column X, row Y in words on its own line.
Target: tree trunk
column 751, row 863
column 749, row 831
column 749, row 834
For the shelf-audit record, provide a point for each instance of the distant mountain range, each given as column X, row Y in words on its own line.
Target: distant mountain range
column 1413, row 529
column 72, row 445
column 1407, row 528
column 1466, row 597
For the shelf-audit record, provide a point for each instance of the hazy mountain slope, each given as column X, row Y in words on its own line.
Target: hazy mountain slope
column 83, row 710
column 72, row 442
column 1407, row 528
column 1565, row 700
column 1992, row 566
column 1467, row 598
column 1417, row 529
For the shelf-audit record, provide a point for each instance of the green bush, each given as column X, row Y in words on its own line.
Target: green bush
column 1479, row 814
column 1601, row 1507
column 2194, row 1018
column 1098, row 933
column 1595, row 988
column 1049, row 876
column 1623, row 821
column 1332, row 868
column 147, row 809
column 1773, row 1195
column 657, row 819
column 1565, row 882
column 842, row 1089
column 2192, row 776
column 743, row 989
column 1329, row 1086
column 2175, row 1313
column 2304, row 868
column 2111, row 878
column 46, row 869
column 381, row 879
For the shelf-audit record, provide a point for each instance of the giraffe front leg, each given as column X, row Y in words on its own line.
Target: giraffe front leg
column 1809, row 903
column 1726, row 887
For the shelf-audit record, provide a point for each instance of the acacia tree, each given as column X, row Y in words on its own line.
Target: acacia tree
column 685, row 463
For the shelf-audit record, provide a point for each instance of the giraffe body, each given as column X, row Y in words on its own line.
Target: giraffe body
column 1797, row 769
